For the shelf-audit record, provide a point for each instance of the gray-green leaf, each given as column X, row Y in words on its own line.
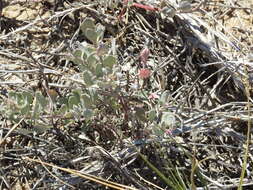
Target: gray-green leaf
column 99, row 70
column 88, row 113
column 88, row 23
column 109, row 61
column 73, row 100
column 88, row 78
column 86, row 100
column 92, row 35
column 168, row 119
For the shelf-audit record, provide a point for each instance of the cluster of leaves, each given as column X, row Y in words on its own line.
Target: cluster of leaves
column 96, row 66
column 98, row 88
column 98, row 70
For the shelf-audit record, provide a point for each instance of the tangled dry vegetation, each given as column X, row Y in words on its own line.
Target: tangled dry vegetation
column 116, row 94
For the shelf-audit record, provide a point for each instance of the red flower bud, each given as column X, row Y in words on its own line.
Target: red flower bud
column 144, row 73
column 153, row 96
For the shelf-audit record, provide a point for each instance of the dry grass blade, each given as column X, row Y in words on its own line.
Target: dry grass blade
column 85, row 176
column 10, row 131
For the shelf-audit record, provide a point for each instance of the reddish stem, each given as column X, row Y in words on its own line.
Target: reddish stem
column 146, row 7
column 138, row 5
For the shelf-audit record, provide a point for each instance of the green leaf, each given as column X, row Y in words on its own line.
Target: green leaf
column 92, row 35
column 73, row 100
column 25, row 110
column 63, row 109
column 81, row 54
column 68, row 115
column 88, row 113
column 84, row 55
column 20, row 99
column 164, row 97
column 109, row 61
column 152, row 115
column 28, row 96
column 63, row 100
column 88, row 49
column 41, row 99
column 12, row 94
column 77, row 61
column 140, row 113
column 77, row 94
column 88, row 78
column 88, row 23
column 157, row 130
column 91, row 60
column 99, row 70
column 77, row 53
column 168, row 119
column 86, row 100
column 93, row 94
